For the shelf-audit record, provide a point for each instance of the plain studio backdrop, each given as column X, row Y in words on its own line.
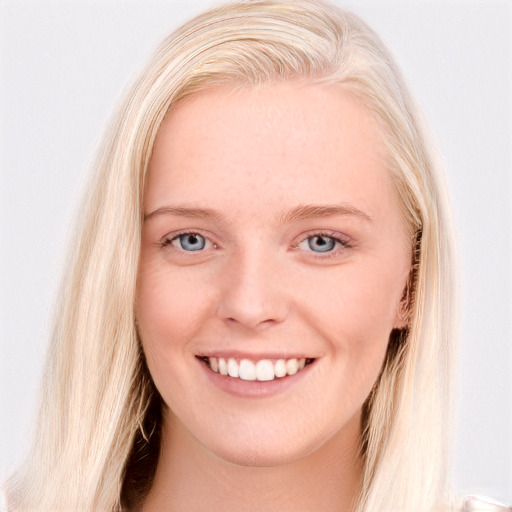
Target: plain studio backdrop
column 64, row 65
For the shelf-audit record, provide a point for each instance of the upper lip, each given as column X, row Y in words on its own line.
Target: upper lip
column 254, row 356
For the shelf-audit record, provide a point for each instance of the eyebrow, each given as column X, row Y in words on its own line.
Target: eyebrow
column 311, row 211
column 183, row 211
column 301, row 212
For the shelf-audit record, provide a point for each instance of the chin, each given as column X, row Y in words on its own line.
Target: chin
column 277, row 449
column 258, row 457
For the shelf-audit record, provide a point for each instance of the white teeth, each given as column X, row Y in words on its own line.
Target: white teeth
column 292, row 366
column 247, row 370
column 262, row 370
column 223, row 366
column 233, row 369
column 280, row 368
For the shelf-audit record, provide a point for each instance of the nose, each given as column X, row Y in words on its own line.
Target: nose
column 252, row 291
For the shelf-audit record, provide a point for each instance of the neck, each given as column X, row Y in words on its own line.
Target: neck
column 189, row 477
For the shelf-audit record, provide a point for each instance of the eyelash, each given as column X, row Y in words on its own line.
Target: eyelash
column 342, row 243
column 170, row 238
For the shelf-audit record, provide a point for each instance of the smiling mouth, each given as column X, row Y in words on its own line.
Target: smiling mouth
column 262, row 370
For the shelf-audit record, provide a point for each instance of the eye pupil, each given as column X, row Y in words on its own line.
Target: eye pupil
column 321, row 243
column 192, row 242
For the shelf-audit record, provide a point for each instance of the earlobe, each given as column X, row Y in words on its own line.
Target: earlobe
column 403, row 311
column 402, row 315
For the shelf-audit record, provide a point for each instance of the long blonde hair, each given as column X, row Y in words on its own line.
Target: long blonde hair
column 98, row 398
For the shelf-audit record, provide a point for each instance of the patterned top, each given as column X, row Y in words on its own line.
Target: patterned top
column 483, row 504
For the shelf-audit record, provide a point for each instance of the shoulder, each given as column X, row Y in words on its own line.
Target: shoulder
column 476, row 503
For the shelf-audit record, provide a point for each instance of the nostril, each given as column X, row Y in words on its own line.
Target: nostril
column 252, row 322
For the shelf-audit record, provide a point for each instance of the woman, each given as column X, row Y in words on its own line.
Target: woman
column 213, row 235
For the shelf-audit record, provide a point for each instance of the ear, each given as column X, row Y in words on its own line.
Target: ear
column 403, row 310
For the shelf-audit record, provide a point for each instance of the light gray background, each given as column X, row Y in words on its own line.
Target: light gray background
column 63, row 67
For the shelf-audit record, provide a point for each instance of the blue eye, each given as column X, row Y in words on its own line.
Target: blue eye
column 189, row 242
column 321, row 243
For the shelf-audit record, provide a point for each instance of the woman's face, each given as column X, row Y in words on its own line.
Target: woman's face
column 272, row 239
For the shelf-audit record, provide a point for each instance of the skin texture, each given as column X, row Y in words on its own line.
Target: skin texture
column 245, row 164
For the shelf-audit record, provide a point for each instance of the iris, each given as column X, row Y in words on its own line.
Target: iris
column 321, row 243
column 191, row 242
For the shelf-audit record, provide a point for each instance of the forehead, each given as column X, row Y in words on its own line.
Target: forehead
column 289, row 142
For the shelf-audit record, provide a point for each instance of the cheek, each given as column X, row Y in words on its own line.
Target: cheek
column 355, row 306
column 170, row 307
column 170, row 310
column 354, row 311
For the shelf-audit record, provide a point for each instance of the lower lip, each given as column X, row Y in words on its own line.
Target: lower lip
column 253, row 388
